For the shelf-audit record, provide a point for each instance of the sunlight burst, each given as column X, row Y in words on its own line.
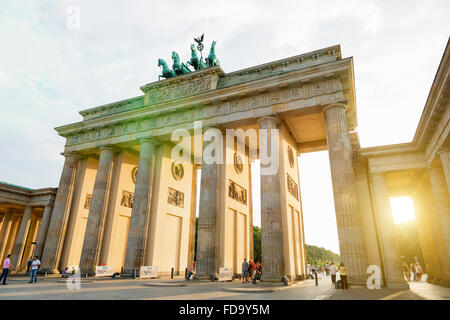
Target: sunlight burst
column 402, row 209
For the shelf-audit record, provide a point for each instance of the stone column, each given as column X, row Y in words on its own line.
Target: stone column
column 21, row 237
column 140, row 214
column 441, row 224
column 193, row 208
column 385, row 223
column 42, row 233
column 58, row 222
column 351, row 239
column 207, row 233
column 444, row 154
column 4, row 232
column 94, row 230
column 271, row 221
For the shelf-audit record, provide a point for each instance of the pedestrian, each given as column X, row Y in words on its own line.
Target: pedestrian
column 327, row 269
column 244, row 271
column 30, row 261
column 251, row 268
column 35, row 266
column 406, row 272
column 419, row 272
column 413, row 271
column 6, row 265
column 258, row 272
column 343, row 273
column 333, row 271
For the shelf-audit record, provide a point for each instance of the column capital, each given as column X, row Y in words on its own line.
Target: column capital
column 107, row 148
column 378, row 174
column 71, row 155
column 153, row 141
column 334, row 105
column 432, row 169
column 269, row 122
column 443, row 150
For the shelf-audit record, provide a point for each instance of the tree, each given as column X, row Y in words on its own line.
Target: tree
column 256, row 243
column 320, row 255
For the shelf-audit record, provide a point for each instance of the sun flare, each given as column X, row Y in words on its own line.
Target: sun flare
column 402, row 209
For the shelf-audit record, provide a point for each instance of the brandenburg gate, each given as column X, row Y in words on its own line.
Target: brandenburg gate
column 123, row 201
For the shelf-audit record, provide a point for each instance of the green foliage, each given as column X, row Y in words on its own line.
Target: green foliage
column 320, row 255
column 256, row 243
column 195, row 245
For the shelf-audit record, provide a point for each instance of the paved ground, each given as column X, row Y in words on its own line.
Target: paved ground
column 55, row 289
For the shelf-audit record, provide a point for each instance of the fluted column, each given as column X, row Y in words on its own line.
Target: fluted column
column 97, row 212
column 389, row 243
column 209, row 211
column 21, row 237
column 58, row 222
column 140, row 214
column 192, row 218
column 351, row 238
column 271, row 221
column 444, row 154
column 4, row 232
column 43, row 229
column 442, row 221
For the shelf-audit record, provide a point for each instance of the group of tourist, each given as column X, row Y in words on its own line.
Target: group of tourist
column 413, row 272
column 250, row 270
column 33, row 266
column 329, row 269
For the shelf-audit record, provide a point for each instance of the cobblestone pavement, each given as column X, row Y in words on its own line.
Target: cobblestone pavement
column 55, row 289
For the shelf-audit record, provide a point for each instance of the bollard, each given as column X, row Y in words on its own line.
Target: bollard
column 134, row 273
column 171, row 274
column 315, row 276
column 185, row 273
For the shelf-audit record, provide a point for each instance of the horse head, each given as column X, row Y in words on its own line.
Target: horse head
column 213, row 45
column 161, row 62
column 175, row 56
column 192, row 47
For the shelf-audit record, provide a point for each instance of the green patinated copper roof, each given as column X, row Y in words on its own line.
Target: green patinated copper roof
column 15, row 185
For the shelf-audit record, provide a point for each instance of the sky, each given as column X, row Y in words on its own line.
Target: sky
column 50, row 70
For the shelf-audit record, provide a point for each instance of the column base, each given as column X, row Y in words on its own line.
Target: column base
column 445, row 283
column 273, row 279
column 49, row 271
column 397, row 285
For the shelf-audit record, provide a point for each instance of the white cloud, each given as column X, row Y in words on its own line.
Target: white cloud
column 48, row 73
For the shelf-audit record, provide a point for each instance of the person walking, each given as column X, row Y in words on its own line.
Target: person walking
column 327, row 269
column 406, row 272
column 333, row 271
column 251, row 268
column 30, row 261
column 6, row 265
column 419, row 272
column 244, row 271
column 343, row 273
column 35, row 266
column 413, row 271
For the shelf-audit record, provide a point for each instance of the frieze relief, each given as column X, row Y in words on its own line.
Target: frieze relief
column 237, row 193
column 87, row 202
column 303, row 91
column 292, row 187
column 182, row 90
column 176, row 198
column 127, row 199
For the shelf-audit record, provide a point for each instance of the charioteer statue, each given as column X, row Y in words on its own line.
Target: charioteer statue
column 179, row 68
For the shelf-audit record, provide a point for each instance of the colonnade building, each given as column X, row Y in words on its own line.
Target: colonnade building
column 123, row 202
